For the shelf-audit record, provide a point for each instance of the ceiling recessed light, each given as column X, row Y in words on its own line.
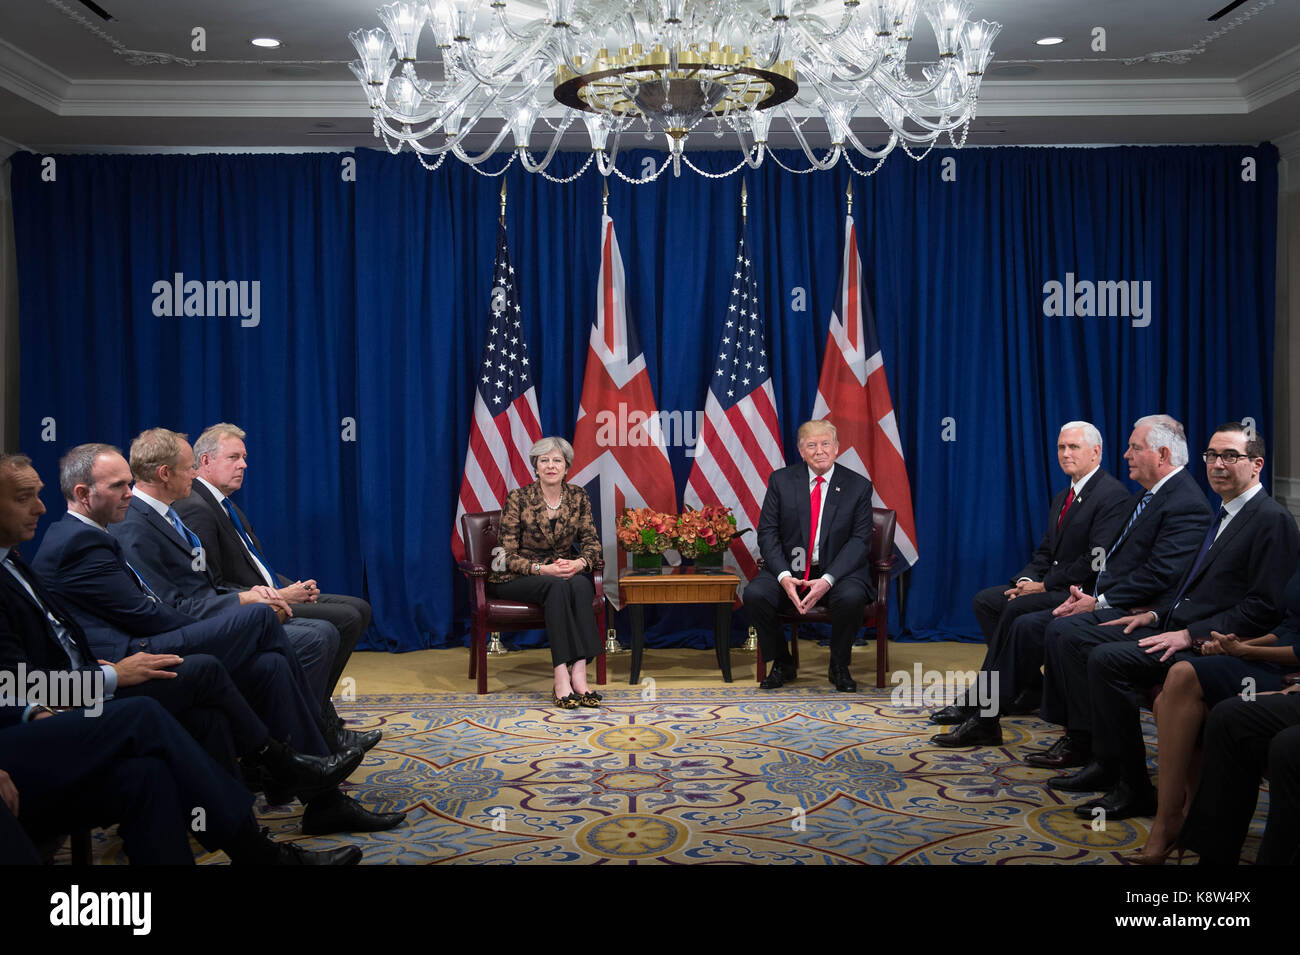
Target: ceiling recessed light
column 1050, row 40
column 269, row 43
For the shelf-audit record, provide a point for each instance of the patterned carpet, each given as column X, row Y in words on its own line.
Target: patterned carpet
column 728, row 774
column 717, row 775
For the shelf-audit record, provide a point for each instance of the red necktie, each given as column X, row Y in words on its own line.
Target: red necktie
column 1068, row 501
column 812, row 525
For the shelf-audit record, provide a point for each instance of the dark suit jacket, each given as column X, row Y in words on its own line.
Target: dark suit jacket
column 84, row 567
column 1239, row 586
column 1146, row 569
column 843, row 536
column 163, row 559
column 1095, row 518
column 26, row 635
column 228, row 559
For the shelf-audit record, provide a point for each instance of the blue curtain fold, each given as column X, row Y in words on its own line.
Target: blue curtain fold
column 357, row 383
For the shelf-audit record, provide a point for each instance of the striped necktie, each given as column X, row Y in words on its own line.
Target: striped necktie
column 1137, row 512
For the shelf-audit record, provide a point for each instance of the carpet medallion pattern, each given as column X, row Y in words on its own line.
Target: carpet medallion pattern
column 730, row 774
column 716, row 775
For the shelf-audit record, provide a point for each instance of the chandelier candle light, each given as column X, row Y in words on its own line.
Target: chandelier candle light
column 665, row 67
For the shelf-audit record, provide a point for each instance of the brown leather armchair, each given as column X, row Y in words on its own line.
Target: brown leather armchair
column 493, row 614
column 875, row 614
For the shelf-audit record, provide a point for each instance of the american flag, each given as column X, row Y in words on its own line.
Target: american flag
column 740, row 440
column 854, row 394
column 505, row 424
column 618, row 451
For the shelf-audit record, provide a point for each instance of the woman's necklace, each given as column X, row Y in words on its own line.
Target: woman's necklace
column 556, row 505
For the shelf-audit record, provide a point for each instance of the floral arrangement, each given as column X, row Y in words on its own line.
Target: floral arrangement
column 643, row 531
column 706, row 531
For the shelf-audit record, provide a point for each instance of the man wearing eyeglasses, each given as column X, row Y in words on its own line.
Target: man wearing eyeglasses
column 1234, row 584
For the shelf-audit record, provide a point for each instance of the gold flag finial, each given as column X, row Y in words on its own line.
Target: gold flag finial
column 604, row 199
column 849, row 195
column 503, row 197
column 744, row 200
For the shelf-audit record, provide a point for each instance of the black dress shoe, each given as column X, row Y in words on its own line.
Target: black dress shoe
column 952, row 715
column 1093, row 778
column 778, row 676
column 1121, row 802
column 289, row 854
column 339, row 739
column 842, row 679
column 288, row 773
column 973, row 732
column 260, row 849
column 339, row 813
column 1065, row 753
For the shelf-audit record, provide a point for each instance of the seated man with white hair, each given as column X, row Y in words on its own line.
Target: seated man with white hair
column 1084, row 518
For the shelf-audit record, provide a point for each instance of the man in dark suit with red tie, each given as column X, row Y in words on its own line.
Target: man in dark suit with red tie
column 814, row 535
column 1084, row 519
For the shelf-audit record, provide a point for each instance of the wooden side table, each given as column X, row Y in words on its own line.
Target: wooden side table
column 680, row 585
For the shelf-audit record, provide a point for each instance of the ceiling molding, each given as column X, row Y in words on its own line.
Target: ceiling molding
column 1271, row 81
column 42, row 85
column 343, row 99
column 1110, row 98
column 26, row 76
column 332, row 98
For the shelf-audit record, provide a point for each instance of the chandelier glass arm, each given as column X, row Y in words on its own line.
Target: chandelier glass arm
column 526, row 158
column 486, row 154
column 831, row 158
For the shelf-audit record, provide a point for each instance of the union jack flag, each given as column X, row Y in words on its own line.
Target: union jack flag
column 740, row 440
column 618, row 450
column 854, row 394
column 506, row 423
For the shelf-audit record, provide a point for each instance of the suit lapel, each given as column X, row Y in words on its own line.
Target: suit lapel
column 831, row 492
column 248, row 526
column 1235, row 527
column 805, row 509
column 161, row 525
column 227, row 526
column 74, row 631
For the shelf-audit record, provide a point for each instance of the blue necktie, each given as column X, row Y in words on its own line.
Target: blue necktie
column 1206, row 544
column 181, row 529
column 1137, row 512
column 244, row 535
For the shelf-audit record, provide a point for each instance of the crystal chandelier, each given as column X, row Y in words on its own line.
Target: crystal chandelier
column 670, row 68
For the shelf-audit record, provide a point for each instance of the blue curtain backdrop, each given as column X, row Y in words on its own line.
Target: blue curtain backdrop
column 357, row 383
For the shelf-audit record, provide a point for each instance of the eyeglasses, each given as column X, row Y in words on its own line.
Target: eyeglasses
column 1227, row 457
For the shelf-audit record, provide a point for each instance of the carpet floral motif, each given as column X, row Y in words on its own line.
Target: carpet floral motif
column 802, row 776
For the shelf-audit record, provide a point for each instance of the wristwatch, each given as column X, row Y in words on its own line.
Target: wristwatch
column 537, row 568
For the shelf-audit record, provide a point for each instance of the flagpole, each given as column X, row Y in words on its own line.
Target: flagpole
column 751, row 638
column 612, row 645
column 495, row 648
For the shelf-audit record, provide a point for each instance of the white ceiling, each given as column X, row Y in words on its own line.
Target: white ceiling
column 65, row 83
